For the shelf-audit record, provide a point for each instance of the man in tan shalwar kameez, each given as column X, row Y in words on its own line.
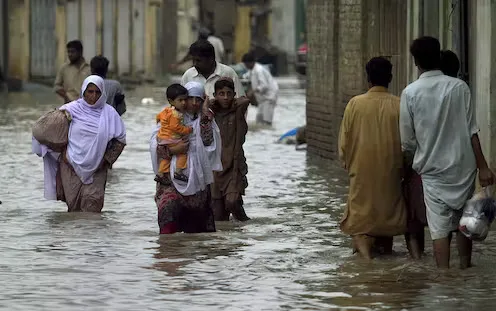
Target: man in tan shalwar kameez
column 370, row 150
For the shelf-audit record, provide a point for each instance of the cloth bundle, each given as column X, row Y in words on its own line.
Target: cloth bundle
column 52, row 129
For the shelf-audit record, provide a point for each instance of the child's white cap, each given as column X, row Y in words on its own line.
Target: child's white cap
column 195, row 89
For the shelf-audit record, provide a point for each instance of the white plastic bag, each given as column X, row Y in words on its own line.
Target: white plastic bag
column 478, row 214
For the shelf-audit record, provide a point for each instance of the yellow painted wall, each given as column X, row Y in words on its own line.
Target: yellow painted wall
column 150, row 36
column 60, row 33
column 242, row 38
column 188, row 11
column 99, row 27
column 18, row 39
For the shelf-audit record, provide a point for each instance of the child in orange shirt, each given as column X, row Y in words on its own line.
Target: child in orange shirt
column 172, row 129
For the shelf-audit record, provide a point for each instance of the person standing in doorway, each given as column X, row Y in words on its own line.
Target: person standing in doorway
column 207, row 70
column 72, row 74
column 439, row 135
column 370, row 150
column 115, row 95
column 264, row 87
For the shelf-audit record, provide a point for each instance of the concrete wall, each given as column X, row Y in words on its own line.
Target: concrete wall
column 187, row 27
column 441, row 18
column 342, row 36
column 168, row 36
column 482, row 72
column 18, row 36
column 221, row 16
column 3, row 45
column 133, row 50
column 283, row 25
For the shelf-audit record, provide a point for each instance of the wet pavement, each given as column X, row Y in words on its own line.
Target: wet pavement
column 290, row 256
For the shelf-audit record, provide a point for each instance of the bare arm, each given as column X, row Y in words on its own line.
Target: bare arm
column 114, row 150
column 242, row 103
column 407, row 130
column 343, row 136
column 186, row 58
column 486, row 176
column 479, row 155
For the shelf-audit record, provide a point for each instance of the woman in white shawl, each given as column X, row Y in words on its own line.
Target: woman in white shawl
column 186, row 207
column 97, row 137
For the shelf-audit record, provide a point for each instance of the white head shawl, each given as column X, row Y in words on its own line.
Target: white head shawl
column 195, row 89
column 92, row 128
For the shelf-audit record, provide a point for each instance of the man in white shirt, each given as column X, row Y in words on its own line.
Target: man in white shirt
column 207, row 71
column 217, row 43
column 218, row 46
column 264, row 87
column 438, row 128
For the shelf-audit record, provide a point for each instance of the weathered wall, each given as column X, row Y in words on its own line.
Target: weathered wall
column 168, row 34
column 283, row 25
column 342, row 36
column 221, row 16
column 18, row 36
column 482, row 73
column 3, row 45
column 471, row 37
column 187, row 27
column 322, row 71
column 124, row 31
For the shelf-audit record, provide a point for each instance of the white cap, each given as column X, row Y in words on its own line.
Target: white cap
column 195, row 89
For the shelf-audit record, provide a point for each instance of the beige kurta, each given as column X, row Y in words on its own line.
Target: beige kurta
column 370, row 149
column 86, row 197
column 70, row 78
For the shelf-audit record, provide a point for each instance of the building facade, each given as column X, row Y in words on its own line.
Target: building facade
column 124, row 31
column 356, row 30
column 342, row 36
column 3, row 36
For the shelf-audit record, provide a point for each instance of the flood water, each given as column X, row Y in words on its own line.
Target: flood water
column 290, row 256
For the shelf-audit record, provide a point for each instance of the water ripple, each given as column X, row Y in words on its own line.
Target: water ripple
column 291, row 256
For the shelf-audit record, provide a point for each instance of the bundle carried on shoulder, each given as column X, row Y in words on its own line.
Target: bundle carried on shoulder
column 52, row 129
column 478, row 214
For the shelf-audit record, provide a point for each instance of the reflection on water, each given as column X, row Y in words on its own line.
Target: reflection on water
column 291, row 256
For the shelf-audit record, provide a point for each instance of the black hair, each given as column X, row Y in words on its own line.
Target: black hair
column 379, row 71
column 204, row 33
column 450, row 64
column 202, row 48
column 75, row 44
column 427, row 52
column 175, row 90
column 248, row 58
column 222, row 83
column 99, row 65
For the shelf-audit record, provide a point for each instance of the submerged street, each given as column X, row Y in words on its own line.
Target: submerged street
column 290, row 256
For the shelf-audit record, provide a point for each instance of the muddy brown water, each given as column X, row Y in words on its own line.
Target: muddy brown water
column 290, row 256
